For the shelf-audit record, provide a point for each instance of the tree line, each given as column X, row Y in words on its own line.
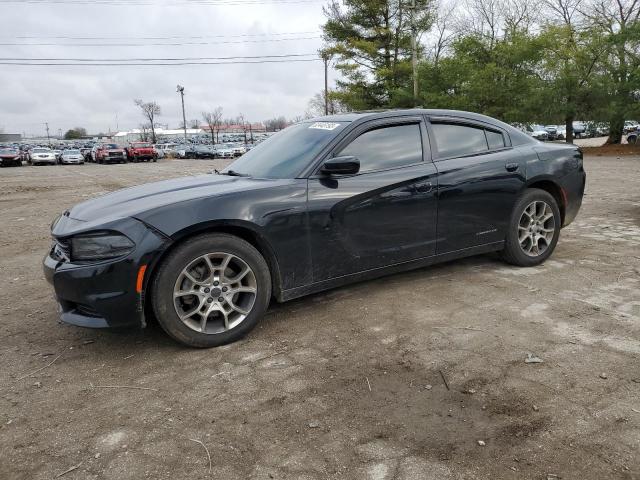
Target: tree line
column 523, row 61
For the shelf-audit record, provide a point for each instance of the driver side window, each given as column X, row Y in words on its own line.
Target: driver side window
column 386, row 147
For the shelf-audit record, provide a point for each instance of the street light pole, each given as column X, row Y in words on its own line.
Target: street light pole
column 326, row 85
column 184, row 117
column 48, row 138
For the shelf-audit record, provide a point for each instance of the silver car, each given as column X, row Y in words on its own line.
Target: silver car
column 71, row 157
column 40, row 156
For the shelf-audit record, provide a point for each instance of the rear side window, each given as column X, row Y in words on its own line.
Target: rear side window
column 387, row 147
column 495, row 140
column 456, row 140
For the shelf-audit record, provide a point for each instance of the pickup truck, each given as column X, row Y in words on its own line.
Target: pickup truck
column 141, row 152
column 109, row 153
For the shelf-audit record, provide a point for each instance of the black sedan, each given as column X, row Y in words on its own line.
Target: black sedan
column 321, row 204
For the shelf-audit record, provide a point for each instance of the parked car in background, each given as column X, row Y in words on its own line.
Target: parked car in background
column 40, row 156
column 109, row 153
column 632, row 136
column 579, row 129
column 538, row 132
column 71, row 156
column 631, row 126
column 226, row 151
column 58, row 154
column 10, row 157
column 186, row 151
column 552, row 132
column 141, row 152
column 321, row 204
column 204, row 151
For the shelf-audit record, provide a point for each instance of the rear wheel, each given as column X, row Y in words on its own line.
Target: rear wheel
column 533, row 230
column 211, row 290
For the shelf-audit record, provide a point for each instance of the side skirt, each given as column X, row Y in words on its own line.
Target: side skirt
column 297, row 292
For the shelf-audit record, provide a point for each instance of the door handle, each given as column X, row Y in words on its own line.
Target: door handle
column 512, row 167
column 424, row 187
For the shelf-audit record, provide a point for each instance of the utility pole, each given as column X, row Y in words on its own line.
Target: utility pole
column 414, row 56
column 48, row 138
column 180, row 90
column 326, row 85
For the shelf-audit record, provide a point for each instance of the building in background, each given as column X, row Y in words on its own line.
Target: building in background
column 10, row 137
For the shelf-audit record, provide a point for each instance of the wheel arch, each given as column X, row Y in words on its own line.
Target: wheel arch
column 548, row 185
column 243, row 230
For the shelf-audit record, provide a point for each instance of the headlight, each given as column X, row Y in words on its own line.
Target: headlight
column 100, row 246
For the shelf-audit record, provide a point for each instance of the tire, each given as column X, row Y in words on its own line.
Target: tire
column 170, row 277
column 515, row 252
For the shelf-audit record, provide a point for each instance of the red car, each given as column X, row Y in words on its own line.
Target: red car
column 141, row 152
column 109, row 153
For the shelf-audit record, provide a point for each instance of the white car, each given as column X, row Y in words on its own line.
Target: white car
column 71, row 157
column 538, row 132
column 39, row 156
column 239, row 150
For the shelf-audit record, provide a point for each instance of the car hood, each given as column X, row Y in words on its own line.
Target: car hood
column 134, row 201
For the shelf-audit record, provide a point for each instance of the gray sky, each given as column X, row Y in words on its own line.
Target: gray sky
column 93, row 96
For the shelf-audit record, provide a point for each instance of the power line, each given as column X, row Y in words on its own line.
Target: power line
column 248, row 62
column 171, row 3
column 172, row 59
column 169, row 37
column 177, row 44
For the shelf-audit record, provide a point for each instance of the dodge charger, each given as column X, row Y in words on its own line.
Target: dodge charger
column 320, row 204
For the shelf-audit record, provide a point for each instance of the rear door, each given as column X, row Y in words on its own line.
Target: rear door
column 383, row 215
column 479, row 178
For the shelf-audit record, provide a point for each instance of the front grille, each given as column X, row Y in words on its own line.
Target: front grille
column 61, row 250
column 116, row 154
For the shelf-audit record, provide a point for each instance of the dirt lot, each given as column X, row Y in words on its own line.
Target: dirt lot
column 344, row 384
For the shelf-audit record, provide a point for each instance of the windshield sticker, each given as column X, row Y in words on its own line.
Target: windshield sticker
column 325, row 125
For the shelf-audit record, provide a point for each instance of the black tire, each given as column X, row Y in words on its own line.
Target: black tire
column 163, row 282
column 513, row 253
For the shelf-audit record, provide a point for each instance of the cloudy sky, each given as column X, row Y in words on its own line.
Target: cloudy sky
column 100, row 98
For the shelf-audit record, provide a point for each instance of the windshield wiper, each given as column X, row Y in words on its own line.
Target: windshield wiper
column 232, row 173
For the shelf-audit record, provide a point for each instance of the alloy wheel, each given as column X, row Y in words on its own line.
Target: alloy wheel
column 536, row 228
column 215, row 293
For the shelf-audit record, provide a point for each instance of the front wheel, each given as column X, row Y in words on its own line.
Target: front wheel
column 211, row 290
column 534, row 229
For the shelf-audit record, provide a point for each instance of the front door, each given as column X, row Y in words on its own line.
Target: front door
column 383, row 215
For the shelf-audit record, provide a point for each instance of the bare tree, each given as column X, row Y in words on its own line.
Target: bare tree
column 213, row 119
column 275, row 124
column 565, row 11
column 315, row 107
column 144, row 132
column 150, row 110
column 442, row 35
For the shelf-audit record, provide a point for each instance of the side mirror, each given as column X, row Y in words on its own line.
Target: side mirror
column 346, row 165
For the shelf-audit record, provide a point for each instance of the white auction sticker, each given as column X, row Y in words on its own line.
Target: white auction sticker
column 325, row 125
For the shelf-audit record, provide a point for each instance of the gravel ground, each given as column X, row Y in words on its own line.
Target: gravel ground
column 344, row 384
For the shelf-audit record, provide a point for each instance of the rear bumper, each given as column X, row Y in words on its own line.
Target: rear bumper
column 104, row 295
column 573, row 186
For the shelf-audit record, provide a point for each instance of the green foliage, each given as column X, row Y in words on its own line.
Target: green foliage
column 561, row 71
column 75, row 133
column 371, row 40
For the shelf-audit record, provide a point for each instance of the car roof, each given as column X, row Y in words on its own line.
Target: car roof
column 375, row 114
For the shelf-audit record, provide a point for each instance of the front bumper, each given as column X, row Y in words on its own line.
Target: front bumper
column 104, row 294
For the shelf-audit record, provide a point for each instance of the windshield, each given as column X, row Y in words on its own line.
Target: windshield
column 8, row 151
column 141, row 145
column 288, row 152
column 41, row 150
column 72, row 152
column 111, row 146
